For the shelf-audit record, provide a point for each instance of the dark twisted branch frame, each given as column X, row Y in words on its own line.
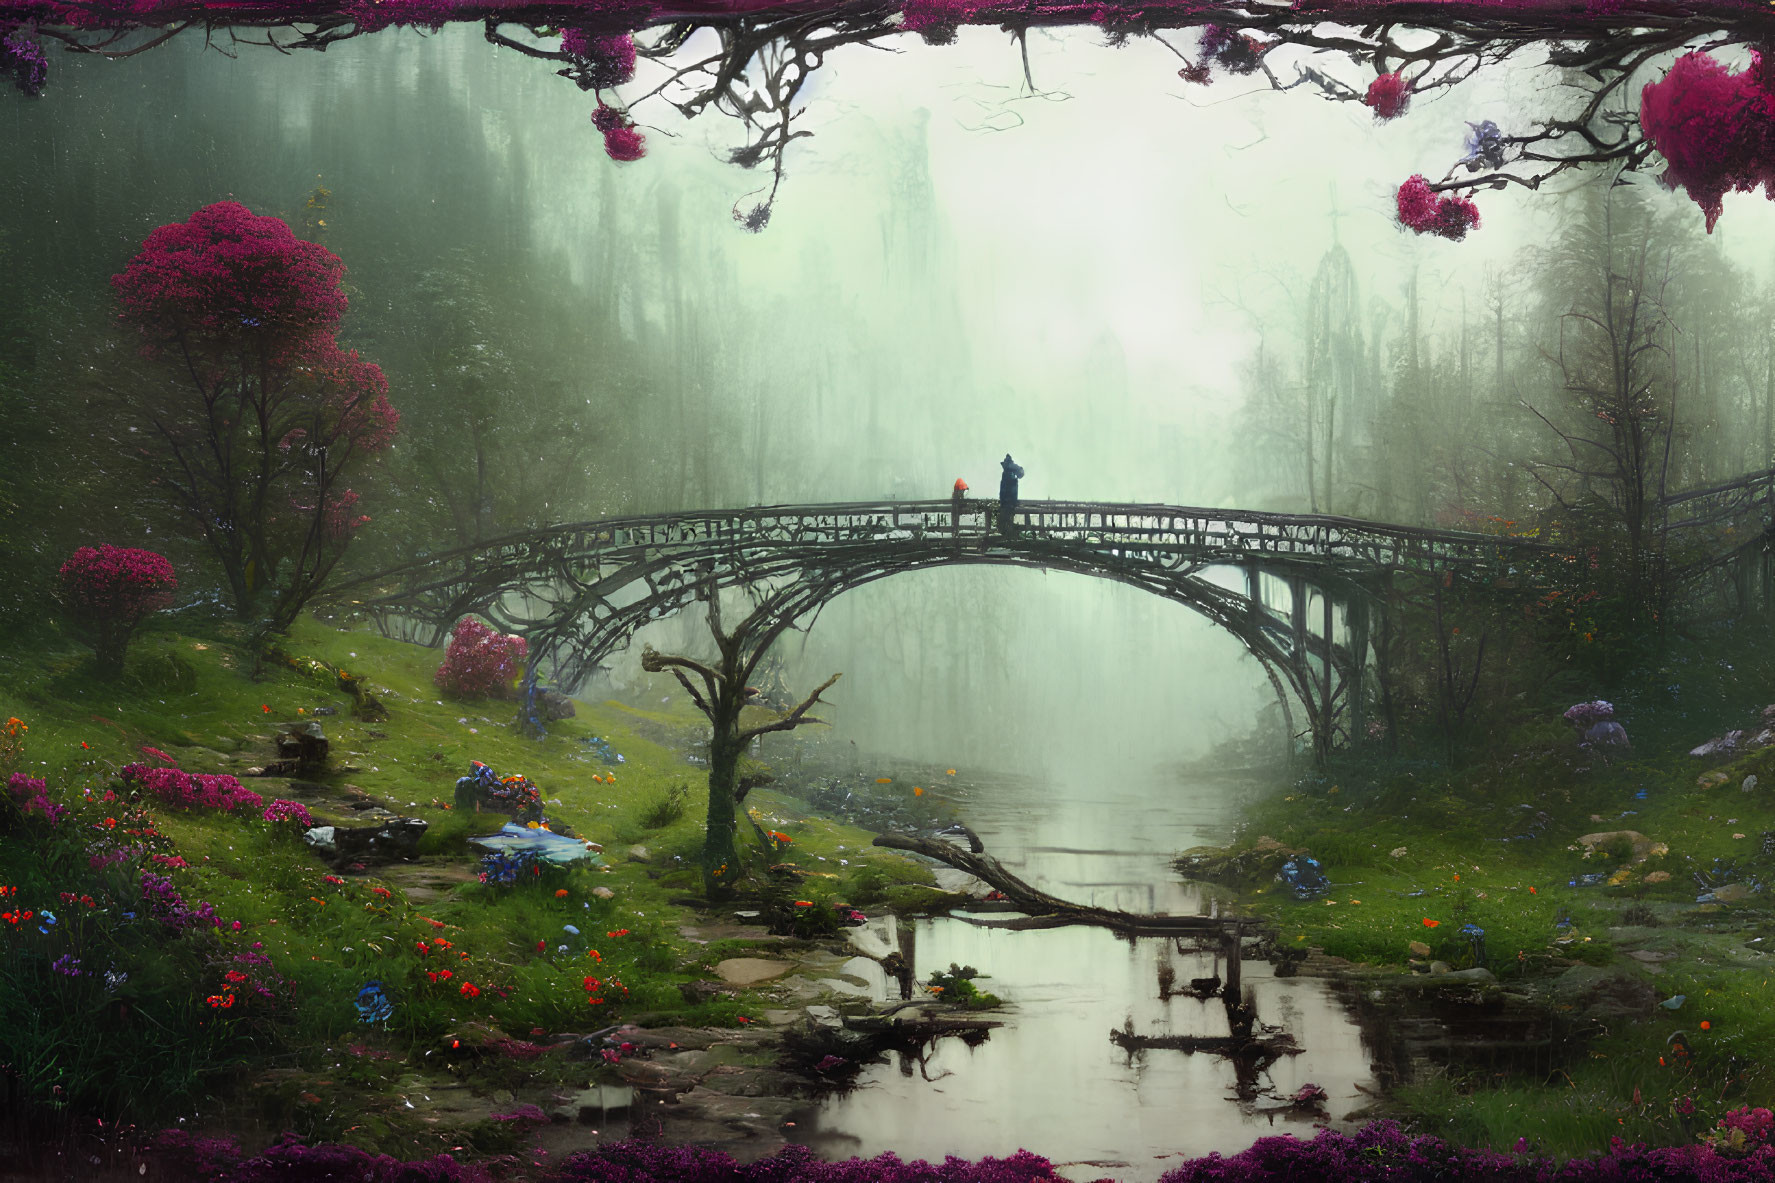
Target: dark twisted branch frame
column 768, row 49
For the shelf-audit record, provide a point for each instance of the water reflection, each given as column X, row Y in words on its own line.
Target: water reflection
column 1053, row 1080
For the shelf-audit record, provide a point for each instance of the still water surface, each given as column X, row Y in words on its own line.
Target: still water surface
column 1051, row 1080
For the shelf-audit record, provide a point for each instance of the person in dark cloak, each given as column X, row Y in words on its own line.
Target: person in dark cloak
column 1007, row 492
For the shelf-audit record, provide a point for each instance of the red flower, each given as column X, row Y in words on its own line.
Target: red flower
column 1429, row 923
column 266, row 707
column 541, row 946
column 470, row 990
column 1389, row 95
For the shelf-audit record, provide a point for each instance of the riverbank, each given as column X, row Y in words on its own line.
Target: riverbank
column 212, row 970
column 1619, row 905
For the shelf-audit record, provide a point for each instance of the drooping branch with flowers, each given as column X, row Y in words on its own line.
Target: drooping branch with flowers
column 1714, row 129
column 263, row 416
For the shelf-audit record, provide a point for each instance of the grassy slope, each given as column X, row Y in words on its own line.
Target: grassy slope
column 1455, row 868
column 168, row 1051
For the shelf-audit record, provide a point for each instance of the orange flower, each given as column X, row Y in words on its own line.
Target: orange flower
column 1706, row 1026
column 1532, row 891
column 560, row 893
column 804, row 903
column 266, row 707
column 1429, row 923
column 884, row 780
column 917, row 792
column 949, row 772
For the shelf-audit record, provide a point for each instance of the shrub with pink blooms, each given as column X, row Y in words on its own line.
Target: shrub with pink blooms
column 187, row 790
column 284, row 810
column 480, row 661
column 1424, row 211
column 1715, row 129
column 110, row 590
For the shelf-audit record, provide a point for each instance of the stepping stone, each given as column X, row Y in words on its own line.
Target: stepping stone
column 749, row 971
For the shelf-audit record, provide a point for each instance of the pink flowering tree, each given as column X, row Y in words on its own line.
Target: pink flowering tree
column 752, row 60
column 480, row 661
column 261, row 419
column 109, row 591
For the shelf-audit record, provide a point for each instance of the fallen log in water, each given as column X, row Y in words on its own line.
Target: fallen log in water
column 1267, row 1048
column 1043, row 909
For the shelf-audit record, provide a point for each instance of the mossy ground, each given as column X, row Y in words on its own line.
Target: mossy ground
column 155, row 1047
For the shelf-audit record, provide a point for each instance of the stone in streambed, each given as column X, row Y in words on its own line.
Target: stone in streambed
column 749, row 971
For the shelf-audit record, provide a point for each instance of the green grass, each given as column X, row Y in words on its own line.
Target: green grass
column 1453, row 869
column 152, row 1046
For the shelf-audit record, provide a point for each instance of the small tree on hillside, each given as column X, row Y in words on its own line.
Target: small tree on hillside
column 265, row 416
column 110, row 590
column 723, row 697
column 480, row 661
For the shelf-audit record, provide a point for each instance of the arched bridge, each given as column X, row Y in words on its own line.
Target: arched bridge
column 1297, row 590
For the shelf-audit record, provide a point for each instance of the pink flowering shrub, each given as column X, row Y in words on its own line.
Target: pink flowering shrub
column 109, row 590
column 621, row 141
column 1389, row 95
column 1741, row 1131
column 1715, row 129
column 191, row 790
column 282, row 809
column 1424, row 211
column 479, row 661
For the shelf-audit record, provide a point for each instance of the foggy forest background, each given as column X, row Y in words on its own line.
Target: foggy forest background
column 1144, row 296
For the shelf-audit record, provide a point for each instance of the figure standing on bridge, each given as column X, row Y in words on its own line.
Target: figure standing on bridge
column 1007, row 492
column 956, row 496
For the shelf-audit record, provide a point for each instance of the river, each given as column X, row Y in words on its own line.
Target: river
column 1051, row 1080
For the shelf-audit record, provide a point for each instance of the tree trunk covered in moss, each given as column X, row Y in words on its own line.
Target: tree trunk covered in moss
column 721, row 859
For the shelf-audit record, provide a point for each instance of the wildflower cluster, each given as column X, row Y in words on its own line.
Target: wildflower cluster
column 283, row 810
column 167, row 905
column 25, row 60
column 479, row 661
column 31, row 795
column 191, row 790
column 12, row 742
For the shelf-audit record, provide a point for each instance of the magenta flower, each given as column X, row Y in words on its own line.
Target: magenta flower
column 1389, row 95
column 624, row 144
column 1423, row 211
column 1715, row 129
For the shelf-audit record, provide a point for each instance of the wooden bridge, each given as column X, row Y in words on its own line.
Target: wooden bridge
column 1298, row 590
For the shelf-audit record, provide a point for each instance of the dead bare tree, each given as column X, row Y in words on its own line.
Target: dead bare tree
column 721, row 692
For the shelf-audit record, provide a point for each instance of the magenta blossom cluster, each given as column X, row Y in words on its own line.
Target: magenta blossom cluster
column 1715, row 129
column 937, row 21
column 1424, row 211
column 226, row 269
column 479, row 660
column 32, row 795
column 284, row 810
column 1389, row 95
column 109, row 590
column 192, row 790
column 621, row 141
column 24, row 59
column 609, row 61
